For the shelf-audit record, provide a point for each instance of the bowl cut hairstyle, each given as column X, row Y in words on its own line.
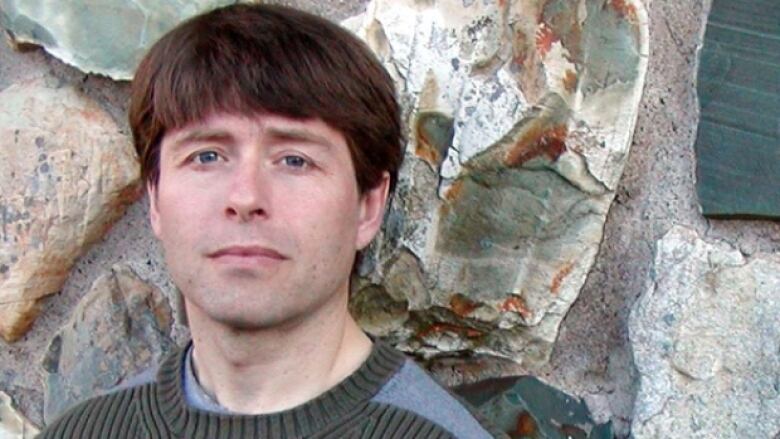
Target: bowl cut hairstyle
column 268, row 59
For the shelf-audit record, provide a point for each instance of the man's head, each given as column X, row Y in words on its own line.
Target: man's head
column 269, row 140
column 247, row 59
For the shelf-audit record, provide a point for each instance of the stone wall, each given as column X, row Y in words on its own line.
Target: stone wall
column 594, row 352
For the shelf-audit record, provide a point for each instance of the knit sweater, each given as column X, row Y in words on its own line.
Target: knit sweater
column 350, row 409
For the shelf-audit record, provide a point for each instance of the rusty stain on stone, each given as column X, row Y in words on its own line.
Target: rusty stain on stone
column 516, row 304
column 624, row 9
column 453, row 193
column 536, row 141
column 437, row 328
column 526, row 426
column 434, row 132
column 520, row 48
column 560, row 276
column 462, row 305
column 570, row 81
column 545, row 37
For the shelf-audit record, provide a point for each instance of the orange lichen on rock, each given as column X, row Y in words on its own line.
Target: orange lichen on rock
column 516, row 304
column 438, row 328
column 461, row 305
column 526, row 426
column 520, row 48
column 545, row 37
column 559, row 276
column 625, row 9
column 425, row 149
column 538, row 141
column 453, row 193
column 570, row 81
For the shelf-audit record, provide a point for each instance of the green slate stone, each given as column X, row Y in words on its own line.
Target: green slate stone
column 738, row 141
column 527, row 408
column 108, row 37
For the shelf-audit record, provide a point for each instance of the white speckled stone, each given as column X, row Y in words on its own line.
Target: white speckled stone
column 706, row 342
column 13, row 425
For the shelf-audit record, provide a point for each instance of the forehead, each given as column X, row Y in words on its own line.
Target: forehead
column 237, row 127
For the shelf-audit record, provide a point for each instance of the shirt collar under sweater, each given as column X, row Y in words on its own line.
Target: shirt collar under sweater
column 305, row 419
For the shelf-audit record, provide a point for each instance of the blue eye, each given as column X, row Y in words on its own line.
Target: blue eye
column 295, row 161
column 206, row 157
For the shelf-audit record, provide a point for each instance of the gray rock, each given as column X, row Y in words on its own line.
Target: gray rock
column 521, row 116
column 119, row 329
column 706, row 342
column 106, row 37
column 67, row 174
column 14, row 425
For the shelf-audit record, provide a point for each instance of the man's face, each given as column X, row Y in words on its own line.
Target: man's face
column 260, row 217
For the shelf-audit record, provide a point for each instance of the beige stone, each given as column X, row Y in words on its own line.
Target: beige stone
column 67, row 174
column 14, row 425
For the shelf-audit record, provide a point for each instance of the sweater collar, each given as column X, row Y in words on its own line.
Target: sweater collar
column 303, row 420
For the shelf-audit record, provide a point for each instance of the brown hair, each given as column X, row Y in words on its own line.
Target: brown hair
column 251, row 59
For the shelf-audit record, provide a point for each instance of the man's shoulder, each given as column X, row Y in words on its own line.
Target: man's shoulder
column 107, row 415
column 412, row 389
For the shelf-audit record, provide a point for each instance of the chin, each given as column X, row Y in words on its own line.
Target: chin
column 248, row 319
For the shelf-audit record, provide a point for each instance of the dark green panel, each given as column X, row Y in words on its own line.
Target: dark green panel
column 526, row 408
column 738, row 140
column 753, row 45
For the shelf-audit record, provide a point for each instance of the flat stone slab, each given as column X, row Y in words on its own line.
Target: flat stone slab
column 520, row 119
column 13, row 425
column 525, row 407
column 738, row 141
column 706, row 342
column 120, row 328
column 67, row 174
column 106, row 37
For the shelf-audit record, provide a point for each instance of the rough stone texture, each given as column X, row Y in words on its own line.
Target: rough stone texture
column 120, row 328
column 13, row 425
column 520, row 116
column 592, row 357
column 706, row 342
column 67, row 174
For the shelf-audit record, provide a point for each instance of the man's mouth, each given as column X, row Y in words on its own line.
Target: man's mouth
column 248, row 252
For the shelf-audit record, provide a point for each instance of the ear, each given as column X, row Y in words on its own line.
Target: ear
column 372, row 211
column 154, row 213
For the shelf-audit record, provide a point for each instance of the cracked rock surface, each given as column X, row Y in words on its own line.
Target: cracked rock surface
column 520, row 118
column 706, row 342
column 67, row 173
column 119, row 328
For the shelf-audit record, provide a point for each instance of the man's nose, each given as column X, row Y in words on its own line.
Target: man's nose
column 248, row 193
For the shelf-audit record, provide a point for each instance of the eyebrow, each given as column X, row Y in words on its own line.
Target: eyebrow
column 203, row 136
column 296, row 134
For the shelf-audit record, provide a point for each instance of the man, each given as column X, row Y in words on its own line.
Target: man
column 269, row 140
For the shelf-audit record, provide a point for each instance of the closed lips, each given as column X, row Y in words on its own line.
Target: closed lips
column 248, row 251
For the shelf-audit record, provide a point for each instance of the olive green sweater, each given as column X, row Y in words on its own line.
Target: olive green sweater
column 351, row 409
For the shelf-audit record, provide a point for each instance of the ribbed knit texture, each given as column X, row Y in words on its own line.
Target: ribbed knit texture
column 158, row 410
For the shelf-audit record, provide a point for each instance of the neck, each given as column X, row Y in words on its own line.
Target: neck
column 273, row 369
